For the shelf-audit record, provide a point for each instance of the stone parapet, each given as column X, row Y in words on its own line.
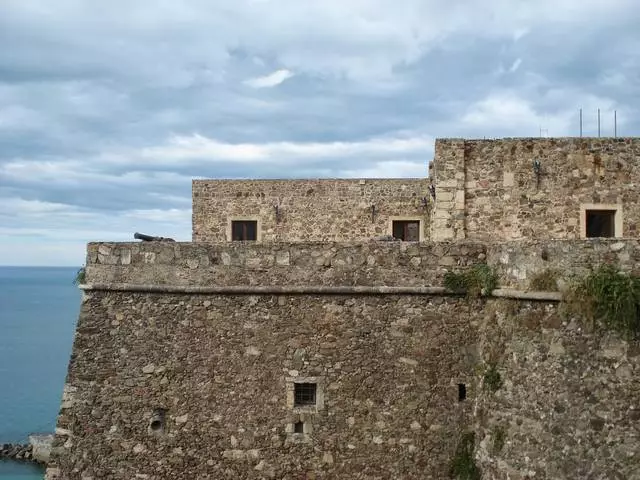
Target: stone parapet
column 376, row 264
column 518, row 262
column 273, row 264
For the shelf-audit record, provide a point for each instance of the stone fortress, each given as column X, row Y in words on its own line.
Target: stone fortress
column 292, row 339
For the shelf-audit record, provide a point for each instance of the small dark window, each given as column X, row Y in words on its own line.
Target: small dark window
column 304, row 394
column 298, row 427
column 243, row 230
column 462, row 392
column 600, row 223
column 406, row 230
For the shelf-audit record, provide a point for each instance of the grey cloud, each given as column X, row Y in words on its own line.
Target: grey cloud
column 90, row 92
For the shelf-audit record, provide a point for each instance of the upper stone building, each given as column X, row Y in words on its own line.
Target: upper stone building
column 477, row 189
column 513, row 189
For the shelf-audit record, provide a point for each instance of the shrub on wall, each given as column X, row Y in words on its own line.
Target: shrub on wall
column 545, row 281
column 608, row 299
column 79, row 279
column 479, row 280
column 463, row 465
column 492, row 379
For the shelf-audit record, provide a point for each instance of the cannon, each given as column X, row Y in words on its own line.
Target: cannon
column 151, row 238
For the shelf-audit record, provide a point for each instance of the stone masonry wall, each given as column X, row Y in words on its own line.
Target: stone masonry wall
column 505, row 199
column 518, row 262
column 389, row 366
column 569, row 404
column 448, row 217
column 309, row 210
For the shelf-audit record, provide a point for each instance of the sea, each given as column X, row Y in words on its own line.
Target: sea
column 39, row 308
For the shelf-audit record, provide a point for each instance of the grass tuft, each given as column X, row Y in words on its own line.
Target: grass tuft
column 479, row 280
column 608, row 299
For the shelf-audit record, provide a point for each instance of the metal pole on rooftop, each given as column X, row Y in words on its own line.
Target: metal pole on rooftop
column 598, row 123
column 615, row 124
column 580, row 123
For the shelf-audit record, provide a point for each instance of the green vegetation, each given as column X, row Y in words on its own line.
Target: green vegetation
column 492, row 378
column 479, row 280
column 545, row 281
column 80, row 274
column 608, row 299
column 499, row 438
column 463, row 465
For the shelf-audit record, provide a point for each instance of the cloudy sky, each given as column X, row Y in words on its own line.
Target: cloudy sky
column 109, row 109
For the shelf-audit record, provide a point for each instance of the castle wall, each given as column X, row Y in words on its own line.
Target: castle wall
column 308, row 210
column 389, row 367
column 568, row 406
column 504, row 198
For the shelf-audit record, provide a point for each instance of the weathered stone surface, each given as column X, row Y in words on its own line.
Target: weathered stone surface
column 308, row 210
column 517, row 262
column 565, row 413
column 495, row 185
column 225, row 406
column 309, row 263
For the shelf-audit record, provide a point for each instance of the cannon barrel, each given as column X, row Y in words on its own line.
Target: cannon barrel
column 151, row 238
column 143, row 237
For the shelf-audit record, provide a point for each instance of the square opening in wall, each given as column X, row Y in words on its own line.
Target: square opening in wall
column 600, row 223
column 244, row 230
column 462, row 392
column 298, row 427
column 406, row 230
column 304, row 394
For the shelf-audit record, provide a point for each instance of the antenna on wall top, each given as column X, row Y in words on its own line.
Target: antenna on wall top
column 581, row 123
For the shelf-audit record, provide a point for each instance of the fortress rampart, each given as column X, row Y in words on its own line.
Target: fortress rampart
column 399, row 377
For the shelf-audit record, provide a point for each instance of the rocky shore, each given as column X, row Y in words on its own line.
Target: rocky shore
column 16, row 451
column 36, row 451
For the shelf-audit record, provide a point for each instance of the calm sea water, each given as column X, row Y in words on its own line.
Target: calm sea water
column 38, row 312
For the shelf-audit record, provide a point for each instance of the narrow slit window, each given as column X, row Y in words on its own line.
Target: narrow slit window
column 304, row 394
column 462, row 392
column 298, row 427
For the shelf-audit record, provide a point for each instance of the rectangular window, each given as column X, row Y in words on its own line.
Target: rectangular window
column 600, row 223
column 304, row 394
column 406, row 230
column 462, row 392
column 244, row 230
